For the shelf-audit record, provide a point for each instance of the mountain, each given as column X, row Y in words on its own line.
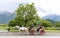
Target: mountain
column 53, row 17
column 6, row 16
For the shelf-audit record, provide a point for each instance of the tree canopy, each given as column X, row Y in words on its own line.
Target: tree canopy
column 26, row 15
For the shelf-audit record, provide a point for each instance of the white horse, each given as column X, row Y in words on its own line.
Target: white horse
column 22, row 29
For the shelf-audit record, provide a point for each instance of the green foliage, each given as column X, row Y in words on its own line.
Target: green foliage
column 46, row 23
column 26, row 14
column 57, row 24
column 12, row 23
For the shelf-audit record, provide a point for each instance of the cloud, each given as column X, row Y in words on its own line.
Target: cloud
column 44, row 7
column 8, row 5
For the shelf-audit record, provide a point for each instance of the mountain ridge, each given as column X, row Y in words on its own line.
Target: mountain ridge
column 53, row 17
column 6, row 16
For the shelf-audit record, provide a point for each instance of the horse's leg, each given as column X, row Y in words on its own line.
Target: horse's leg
column 32, row 32
column 26, row 31
column 19, row 30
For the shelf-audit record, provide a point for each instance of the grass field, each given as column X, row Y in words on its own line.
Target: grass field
column 52, row 30
column 14, row 30
column 45, row 30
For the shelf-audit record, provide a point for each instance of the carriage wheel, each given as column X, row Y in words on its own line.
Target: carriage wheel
column 42, row 32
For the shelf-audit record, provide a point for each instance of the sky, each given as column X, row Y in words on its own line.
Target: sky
column 44, row 7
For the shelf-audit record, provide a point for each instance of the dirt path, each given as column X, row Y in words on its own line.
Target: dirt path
column 19, row 34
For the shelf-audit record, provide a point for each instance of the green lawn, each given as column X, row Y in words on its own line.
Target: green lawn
column 14, row 30
column 45, row 30
column 52, row 30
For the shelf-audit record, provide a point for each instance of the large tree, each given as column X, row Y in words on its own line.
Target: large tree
column 26, row 14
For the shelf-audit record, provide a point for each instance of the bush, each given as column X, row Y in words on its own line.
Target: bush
column 57, row 28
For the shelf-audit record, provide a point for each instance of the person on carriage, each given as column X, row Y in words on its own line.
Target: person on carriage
column 42, row 30
column 31, row 29
column 39, row 27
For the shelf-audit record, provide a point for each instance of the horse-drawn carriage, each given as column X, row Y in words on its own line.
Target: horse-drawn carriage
column 30, row 31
